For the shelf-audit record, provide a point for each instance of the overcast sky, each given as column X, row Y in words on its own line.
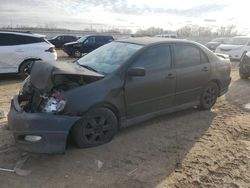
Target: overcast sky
column 131, row 14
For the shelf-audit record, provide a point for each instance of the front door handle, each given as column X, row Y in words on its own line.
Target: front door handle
column 170, row 76
column 205, row 69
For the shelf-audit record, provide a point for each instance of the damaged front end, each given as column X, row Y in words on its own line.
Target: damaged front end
column 32, row 100
column 37, row 115
column 44, row 90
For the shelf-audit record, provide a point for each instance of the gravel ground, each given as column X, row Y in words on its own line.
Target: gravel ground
column 190, row 148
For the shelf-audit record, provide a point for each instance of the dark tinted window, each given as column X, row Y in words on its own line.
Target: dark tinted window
column 100, row 39
column 103, row 39
column 71, row 38
column 157, row 57
column 186, row 55
column 91, row 40
column 60, row 38
column 12, row 39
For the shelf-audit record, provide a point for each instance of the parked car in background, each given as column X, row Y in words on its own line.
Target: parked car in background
column 86, row 44
column 117, row 85
column 167, row 36
column 244, row 69
column 235, row 47
column 213, row 44
column 18, row 50
column 60, row 40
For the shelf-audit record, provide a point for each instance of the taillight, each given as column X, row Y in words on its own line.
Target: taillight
column 51, row 50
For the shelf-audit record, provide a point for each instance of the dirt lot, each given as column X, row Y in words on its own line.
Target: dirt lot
column 190, row 148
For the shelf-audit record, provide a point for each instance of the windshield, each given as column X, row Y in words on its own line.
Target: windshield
column 82, row 39
column 109, row 57
column 238, row 41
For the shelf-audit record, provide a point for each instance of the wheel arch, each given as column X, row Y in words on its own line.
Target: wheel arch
column 111, row 107
column 107, row 105
column 217, row 82
column 26, row 60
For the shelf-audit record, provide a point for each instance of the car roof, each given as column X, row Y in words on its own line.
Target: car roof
column 24, row 34
column 96, row 35
column 65, row 35
column 151, row 40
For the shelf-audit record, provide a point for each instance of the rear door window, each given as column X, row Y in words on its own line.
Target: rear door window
column 186, row 55
column 7, row 39
column 91, row 40
column 155, row 58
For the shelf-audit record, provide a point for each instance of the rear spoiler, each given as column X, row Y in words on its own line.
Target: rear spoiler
column 223, row 56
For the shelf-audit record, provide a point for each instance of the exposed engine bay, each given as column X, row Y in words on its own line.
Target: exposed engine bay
column 43, row 90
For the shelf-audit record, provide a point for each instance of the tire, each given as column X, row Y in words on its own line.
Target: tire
column 209, row 96
column 76, row 53
column 96, row 127
column 242, row 75
column 25, row 68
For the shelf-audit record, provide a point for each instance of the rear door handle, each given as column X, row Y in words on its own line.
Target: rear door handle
column 170, row 76
column 205, row 69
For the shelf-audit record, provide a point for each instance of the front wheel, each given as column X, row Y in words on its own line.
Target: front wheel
column 209, row 96
column 96, row 127
column 76, row 53
column 25, row 69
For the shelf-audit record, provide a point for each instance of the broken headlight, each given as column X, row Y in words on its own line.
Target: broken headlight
column 54, row 103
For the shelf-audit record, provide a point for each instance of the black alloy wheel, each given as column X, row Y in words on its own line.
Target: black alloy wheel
column 209, row 96
column 25, row 69
column 96, row 127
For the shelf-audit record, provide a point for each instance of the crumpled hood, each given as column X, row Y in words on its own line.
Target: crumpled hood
column 229, row 46
column 43, row 73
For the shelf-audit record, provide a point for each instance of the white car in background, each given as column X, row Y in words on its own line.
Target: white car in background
column 18, row 50
column 235, row 47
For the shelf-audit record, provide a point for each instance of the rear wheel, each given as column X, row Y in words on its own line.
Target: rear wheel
column 25, row 69
column 96, row 127
column 209, row 96
column 241, row 73
column 243, row 76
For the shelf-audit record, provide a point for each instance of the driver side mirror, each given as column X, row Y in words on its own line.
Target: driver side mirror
column 137, row 71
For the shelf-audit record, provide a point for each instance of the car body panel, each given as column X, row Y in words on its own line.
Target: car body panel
column 244, row 69
column 12, row 56
column 234, row 51
column 212, row 45
column 53, row 129
column 132, row 99
column 87, row 45
column 60, row 40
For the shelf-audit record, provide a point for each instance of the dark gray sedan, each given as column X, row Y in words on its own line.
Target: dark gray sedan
column 117, row 85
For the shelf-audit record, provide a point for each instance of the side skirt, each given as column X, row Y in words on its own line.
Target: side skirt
column 139, row 119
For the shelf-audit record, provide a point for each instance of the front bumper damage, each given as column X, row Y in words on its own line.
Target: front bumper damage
column 52, row 129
